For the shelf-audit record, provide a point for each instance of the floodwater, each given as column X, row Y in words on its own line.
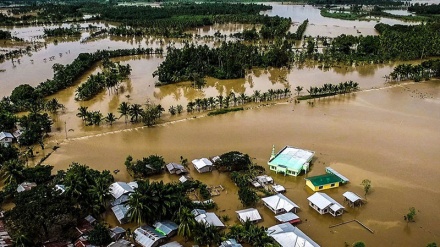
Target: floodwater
column 390, row 136
column 386, row 133
column 324, row 26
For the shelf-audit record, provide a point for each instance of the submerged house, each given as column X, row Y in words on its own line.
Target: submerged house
column 323, row 204
column 6, row 139
column 290, row 160
column 25, row 186
column 250, row 214
column 121, row 192
column 207, row 218
column 287, row 235
column 230, row 243
column 280, row 204
column 332, row 179
column 167, row 228
column 288, row 218
column 174, row 168
column 147, row 236
column 352, row 199
column 203, row 165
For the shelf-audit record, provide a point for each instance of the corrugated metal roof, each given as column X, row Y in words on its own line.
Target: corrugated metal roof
column 4, row 135
column 322, row 200
column 210, row 219
column 165, row 227
column 172, row 244
column 117, row 189
column 200, row 163
column 121, row 212
column 280, row 201
column 251, row 214
column 292, row 158
column 287, row 217
column 146, row 236
column 230, row 243
column 289, row 236
column 333, row 171
column 352, row 196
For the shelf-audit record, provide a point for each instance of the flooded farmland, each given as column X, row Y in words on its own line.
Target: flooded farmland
column 388, row 133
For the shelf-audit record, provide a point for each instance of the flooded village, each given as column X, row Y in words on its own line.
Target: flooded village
column 338, row 170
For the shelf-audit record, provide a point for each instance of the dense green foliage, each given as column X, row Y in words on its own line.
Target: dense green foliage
column 110, row 78
column 233, row 161
column 61, row 31
column 425, row 9
column 154, row 201
column 99, row 235
column 148, row 166
column 88, row 187
column 417, row 72
column 328, row 88
column 42, row 214
column 5, row 34
column 251, row 234
column 228, row 61
column 66, row 75
column 358, row 2
column 7, row 153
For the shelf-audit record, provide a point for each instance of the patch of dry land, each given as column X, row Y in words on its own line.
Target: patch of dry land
column 390, row 136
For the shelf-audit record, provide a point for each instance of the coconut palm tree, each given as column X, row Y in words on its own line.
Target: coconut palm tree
column 186, row 222
column 12, row 171
column 124, row 109
column 82, row 112
column 137, row 207
column 110, row 118
column 135, row 112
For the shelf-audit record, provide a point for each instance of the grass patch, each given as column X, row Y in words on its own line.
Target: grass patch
column 224, row 111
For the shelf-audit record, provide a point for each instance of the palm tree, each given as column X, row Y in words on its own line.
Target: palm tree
column 12, row 171
column 257, row 95
column 124, row 109
column 135, row 112
column 21, row 240
column 110, row 118
column 101, row 194
column 97, row 118
column 137, row 207
column 82, row 112
column 298, row 90
column 186, row 222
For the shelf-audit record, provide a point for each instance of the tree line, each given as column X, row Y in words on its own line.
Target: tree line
column 228, row 61
column 425, row 9
column 417, row 72
column 110, row 78
column 332, row 89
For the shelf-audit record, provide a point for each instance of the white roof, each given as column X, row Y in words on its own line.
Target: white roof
column 209, row 219
column 289, row 236
column 200, row 163
column 117, row 189
column 183, row 179
column 279, row 201
column 134, row 185
column 322, row 200
column 352, row 196
column 278, row 188
column 251, row 214
column 4, row 135
column 287, row 217
column 147, row 236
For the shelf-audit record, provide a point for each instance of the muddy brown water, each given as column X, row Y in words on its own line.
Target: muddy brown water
column 390, row 136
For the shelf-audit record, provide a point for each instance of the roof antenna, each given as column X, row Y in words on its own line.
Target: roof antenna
column 273, row 152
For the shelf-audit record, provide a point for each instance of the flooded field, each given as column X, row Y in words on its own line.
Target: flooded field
column 386, row 133
column 389, row 136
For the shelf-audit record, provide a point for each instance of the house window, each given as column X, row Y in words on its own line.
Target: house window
column 320, row 187
column 332, row 185
column 272, row 167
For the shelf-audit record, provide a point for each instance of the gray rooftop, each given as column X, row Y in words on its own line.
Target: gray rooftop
column 289, row 236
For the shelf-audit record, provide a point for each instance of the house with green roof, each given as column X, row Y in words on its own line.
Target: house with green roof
column 290, row 160
column 331, row 179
